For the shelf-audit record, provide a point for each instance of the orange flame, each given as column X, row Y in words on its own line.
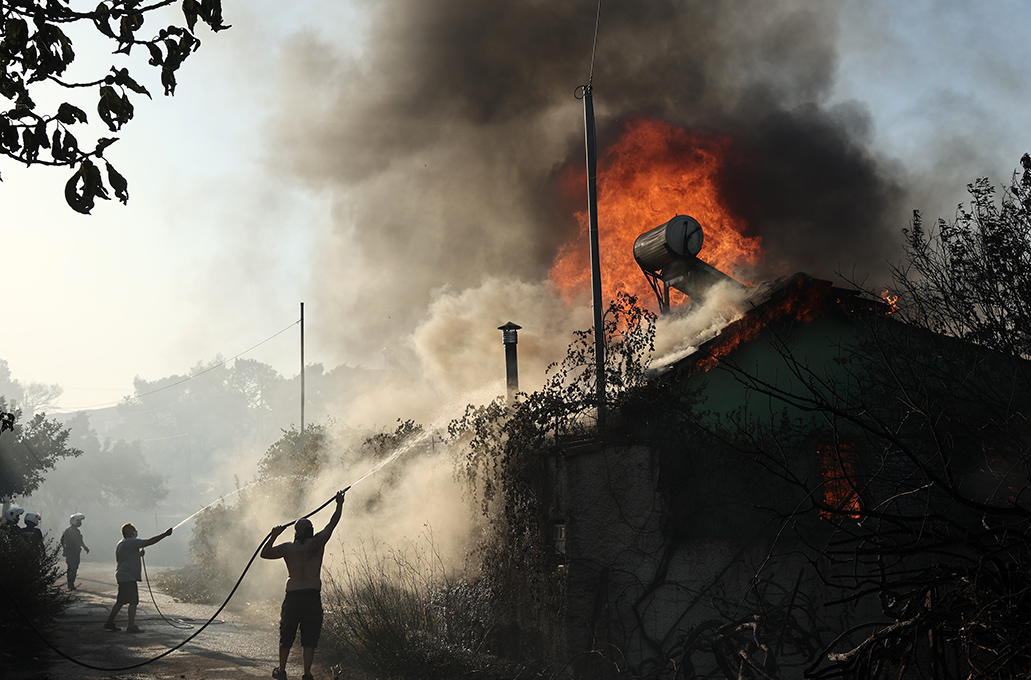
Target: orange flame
column 891, row 300
column 839, row 481
column 653, row 173
column 799, row 299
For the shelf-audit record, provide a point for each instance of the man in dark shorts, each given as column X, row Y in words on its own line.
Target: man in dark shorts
column 129, row 573
column 302, row 605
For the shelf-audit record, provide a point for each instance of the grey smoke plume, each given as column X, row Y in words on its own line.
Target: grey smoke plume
column 441, row 143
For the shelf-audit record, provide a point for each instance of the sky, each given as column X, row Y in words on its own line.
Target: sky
column 387, row 164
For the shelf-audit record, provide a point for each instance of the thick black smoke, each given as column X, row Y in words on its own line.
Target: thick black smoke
column 443, row 138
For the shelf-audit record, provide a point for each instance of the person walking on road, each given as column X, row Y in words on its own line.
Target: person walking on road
column 302, row 605
column 72, row 545
column 129, row 572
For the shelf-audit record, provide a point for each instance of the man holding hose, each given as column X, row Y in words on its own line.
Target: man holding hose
column 128, row 554
column 302, row 605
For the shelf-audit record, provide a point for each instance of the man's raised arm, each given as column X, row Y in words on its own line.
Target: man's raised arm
column 154, row 539
column 267, row 551
column 335, row 519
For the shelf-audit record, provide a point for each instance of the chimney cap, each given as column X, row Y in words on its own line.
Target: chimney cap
column 509, row 327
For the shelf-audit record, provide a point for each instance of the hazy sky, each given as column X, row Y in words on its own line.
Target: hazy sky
column 240, row 209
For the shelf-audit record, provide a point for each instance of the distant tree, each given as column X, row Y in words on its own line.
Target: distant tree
column 224, row 531
column 255, row 381
column 32, row 397
column 107, row 474
column 296, row 454
column 40, row 397
column 36, row 52
column 29, row 452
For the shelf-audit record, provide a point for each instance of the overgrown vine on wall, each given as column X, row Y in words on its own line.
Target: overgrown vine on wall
column 506, row 453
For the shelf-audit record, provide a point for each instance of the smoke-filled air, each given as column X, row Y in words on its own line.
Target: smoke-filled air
column 449, row 144
column 454, row 148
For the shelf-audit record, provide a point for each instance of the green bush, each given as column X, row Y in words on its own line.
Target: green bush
column 223, row 532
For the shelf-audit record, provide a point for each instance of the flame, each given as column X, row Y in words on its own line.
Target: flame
column 891, row 300
column 839, row 487
column 799, row 299
column 653, row 173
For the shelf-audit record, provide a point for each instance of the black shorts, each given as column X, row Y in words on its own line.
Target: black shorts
column 128, row 593
column 301, row 608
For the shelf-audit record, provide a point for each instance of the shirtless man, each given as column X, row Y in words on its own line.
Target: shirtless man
column 303, row 602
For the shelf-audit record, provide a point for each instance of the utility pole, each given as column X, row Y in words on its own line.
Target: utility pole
column 592, row 213
column 302, row 375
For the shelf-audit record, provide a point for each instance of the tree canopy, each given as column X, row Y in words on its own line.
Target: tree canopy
column 29, row 451
column 971, row 278
column 32, row 397
column 36, row 53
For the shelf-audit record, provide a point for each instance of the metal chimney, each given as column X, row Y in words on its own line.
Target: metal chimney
column 509, row 336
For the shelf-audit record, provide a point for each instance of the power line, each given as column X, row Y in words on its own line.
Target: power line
column 187, row 378
column 594, row 48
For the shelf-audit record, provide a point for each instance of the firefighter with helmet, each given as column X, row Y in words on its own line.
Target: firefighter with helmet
column 10, row 528
column 31, row 532
column 73, row 545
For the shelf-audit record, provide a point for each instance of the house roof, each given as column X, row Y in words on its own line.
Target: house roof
column 799, row 298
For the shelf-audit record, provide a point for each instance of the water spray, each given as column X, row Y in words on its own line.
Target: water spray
column 217, row 500
column 373, row 470
column 376, row 468
column 397, row 452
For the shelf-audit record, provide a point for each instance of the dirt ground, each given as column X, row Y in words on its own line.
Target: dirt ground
column 242, row 642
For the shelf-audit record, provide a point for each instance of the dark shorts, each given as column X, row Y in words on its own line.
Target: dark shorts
column 301, row 608
column 128, row 593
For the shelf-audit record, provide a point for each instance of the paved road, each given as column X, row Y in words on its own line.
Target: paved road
column 241, row 643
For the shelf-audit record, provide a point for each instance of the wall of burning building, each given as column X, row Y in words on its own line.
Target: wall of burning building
column 673, row 537
column 817, row 471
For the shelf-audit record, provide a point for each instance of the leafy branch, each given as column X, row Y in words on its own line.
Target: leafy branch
column 35, row 48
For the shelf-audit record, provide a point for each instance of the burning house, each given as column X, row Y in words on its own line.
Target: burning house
column 815, row 471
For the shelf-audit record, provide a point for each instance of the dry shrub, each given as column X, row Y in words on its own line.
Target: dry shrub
column 404, row 615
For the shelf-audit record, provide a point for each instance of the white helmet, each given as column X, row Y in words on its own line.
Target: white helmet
column 32, row 518
column 13, row 514
column 76, row 519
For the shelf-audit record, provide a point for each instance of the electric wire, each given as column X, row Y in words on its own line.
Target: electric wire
column 582, row 91
column 594, row 48
column 190, row 377
column 214, row 366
